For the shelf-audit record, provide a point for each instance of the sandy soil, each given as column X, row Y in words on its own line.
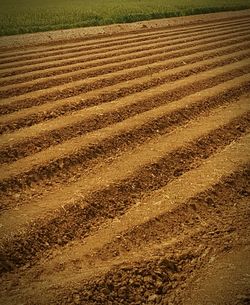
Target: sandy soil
column 125, row 165
column 50, row 37
column 225, row 280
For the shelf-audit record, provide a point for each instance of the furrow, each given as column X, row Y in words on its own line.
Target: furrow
column 125, row 162
column 96, row 42
column 62, row 162
column 75, row 45
column 111, row 46
column 152, row 150
column 37, row 114
column 172, row 226
column 83, row 86
column 35, row 138
column 168, row 158
column 81, row 61
column 174, row 212
column 162, row 270
column 199, row 211
column 67, row 47
column 67, row 66
column 59, row 59
column 136, row 61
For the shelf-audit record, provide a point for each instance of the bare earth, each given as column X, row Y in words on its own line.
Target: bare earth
column 51, row 37
column 125, row 162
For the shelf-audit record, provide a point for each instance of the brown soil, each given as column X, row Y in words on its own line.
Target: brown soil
column 125, row 164
column 118, row 30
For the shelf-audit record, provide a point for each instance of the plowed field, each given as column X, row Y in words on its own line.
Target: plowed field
column 124, row 164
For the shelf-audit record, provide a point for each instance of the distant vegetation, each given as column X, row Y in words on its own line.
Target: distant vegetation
column 24, row 16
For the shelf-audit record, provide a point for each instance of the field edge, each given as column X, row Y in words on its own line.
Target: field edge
column 90, row 32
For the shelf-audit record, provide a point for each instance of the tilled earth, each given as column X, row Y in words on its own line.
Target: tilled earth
column 124, row 165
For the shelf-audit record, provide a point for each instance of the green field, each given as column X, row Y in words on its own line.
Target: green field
column 23, row 16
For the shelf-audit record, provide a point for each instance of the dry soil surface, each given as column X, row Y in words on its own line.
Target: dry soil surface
column 125, row 167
